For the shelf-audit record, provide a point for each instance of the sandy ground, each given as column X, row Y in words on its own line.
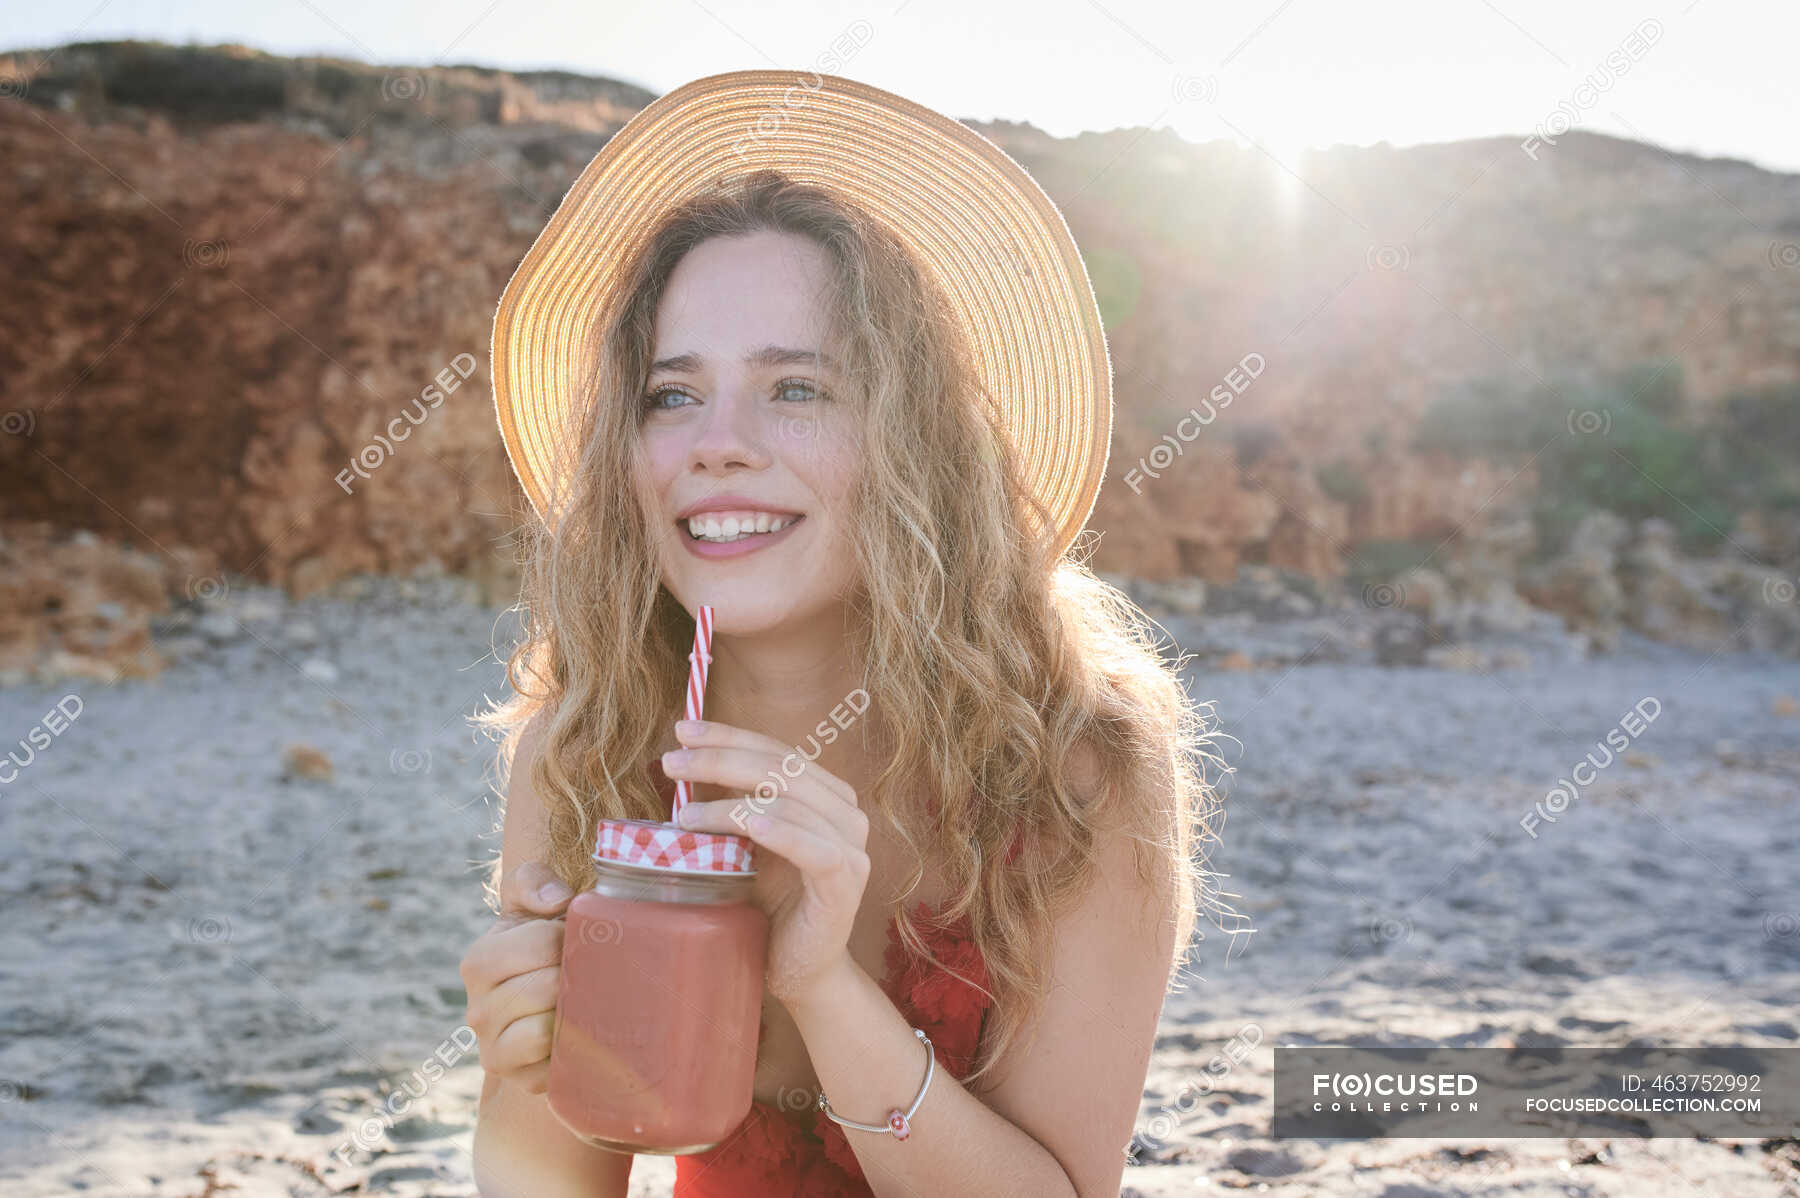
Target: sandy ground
column 220, row 967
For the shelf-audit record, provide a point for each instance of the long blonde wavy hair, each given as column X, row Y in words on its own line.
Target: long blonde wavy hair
column 995, row 672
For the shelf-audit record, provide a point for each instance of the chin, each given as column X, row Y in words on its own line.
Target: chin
column 750, row 606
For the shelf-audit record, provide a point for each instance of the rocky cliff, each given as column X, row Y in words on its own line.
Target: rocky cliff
column 227, row 271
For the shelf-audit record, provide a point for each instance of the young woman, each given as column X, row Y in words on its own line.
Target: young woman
column 996, row 836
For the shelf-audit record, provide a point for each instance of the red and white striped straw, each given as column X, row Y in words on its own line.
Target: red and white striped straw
column 698, row 660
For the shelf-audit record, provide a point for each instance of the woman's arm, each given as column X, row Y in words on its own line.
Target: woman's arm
column 522, row 1150
column 1060, row 1121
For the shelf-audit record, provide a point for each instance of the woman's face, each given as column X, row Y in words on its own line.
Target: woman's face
column 742, row 430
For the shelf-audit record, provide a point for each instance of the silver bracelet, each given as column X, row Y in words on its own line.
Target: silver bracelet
column 898, row 1121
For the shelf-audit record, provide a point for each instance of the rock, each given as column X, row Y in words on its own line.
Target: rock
column 1265, row 1162
column 315, row 1119
column 1455, row 657
column 305, row 761
column 319, row 670
column 1236, row 662
column 1183, row 596
column 1582, row 585
column 79, row 605
column 1762, row 604
column 176, row 648
column 1401, row 642
column 258, row 610
column 1671, row 598
column 300, row 634
column 1427, row 591
column 1784, row 705
column 219, row 626
column 1294, row 605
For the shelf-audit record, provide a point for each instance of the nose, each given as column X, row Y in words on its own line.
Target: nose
column 729, row 432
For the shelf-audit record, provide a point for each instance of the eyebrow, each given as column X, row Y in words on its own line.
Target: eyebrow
column 768, row 355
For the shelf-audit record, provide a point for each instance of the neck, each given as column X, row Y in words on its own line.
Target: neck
column 785, row 684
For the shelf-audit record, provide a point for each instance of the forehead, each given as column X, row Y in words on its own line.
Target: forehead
column 730, row 294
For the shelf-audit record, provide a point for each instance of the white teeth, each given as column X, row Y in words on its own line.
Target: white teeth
column 734, row 528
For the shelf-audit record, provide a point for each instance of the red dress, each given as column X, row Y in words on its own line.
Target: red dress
column 805, row 1154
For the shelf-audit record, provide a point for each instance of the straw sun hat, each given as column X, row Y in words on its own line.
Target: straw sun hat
column 972, row 218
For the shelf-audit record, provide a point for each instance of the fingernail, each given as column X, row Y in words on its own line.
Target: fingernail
column 675, row 757
column 686, row 817
column 690, row 727
column 553, row 892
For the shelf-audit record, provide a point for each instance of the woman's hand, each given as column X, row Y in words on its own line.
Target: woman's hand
column 812, row 891
column 513, row 973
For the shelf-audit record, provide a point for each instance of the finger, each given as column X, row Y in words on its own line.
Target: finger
column 523, row 994
column 511, row 951
column 753, row 772
column 523, row 1042
column 713, row 735
column 815, row 855
column 826, row 816
column 733, row 815
column 522, row 890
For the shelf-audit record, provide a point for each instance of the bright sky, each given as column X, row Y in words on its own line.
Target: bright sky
column 1713, row 77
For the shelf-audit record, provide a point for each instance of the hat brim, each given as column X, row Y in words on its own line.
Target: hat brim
column 981, row 227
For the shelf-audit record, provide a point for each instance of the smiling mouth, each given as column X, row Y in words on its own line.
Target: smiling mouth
column 715, row 532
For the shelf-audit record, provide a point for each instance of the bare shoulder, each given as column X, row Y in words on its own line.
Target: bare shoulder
column 1074, row 1079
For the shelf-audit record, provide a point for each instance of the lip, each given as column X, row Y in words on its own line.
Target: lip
column 737, row 548
column 731, row 503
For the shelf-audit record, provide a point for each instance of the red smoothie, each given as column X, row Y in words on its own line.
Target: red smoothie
column 660, row 1006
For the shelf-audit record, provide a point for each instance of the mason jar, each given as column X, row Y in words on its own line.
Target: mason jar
column 660, row 1005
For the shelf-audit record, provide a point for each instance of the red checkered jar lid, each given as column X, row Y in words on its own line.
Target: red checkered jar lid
column 649, row 844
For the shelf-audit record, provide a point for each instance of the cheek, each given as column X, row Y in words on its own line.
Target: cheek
column 660, row 460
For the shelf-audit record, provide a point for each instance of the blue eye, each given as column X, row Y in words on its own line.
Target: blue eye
column 806, row 385
column 651, row 401
column 807, row 388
